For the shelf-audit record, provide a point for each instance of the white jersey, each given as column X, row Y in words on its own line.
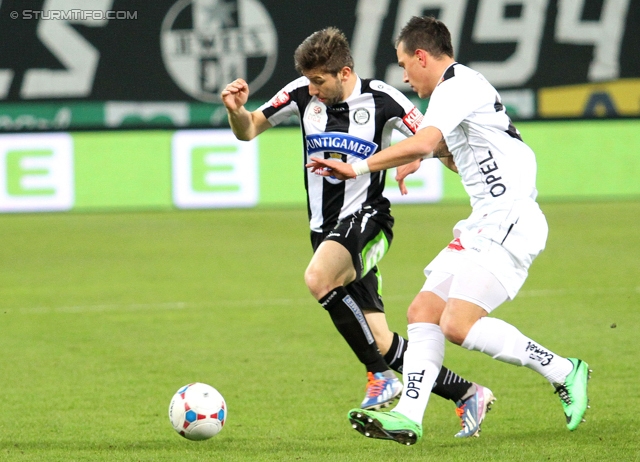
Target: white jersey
column 350, row 131
column 498, row 170
column 496, row 167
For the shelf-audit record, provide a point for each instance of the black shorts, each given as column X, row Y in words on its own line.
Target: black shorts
column 367, row 235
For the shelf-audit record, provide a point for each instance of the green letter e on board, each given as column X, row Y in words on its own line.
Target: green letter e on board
column 36, row 172
column 211, row 168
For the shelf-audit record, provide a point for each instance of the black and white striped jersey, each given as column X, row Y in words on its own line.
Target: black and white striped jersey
column 352, row 130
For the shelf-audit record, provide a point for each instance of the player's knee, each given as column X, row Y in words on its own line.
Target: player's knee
column 421, row 313
column 453, row 331
column 413, row 314
column 454, row 335
column 317, row 282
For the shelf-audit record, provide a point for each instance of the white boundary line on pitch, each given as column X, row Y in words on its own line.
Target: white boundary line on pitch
column 147, row 306
column 282, row 301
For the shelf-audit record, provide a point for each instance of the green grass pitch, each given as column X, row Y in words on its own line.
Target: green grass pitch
column 104, row 316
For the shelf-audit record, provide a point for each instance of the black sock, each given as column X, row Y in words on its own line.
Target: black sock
column 395, row 356
column 450, row 385
column 351, row 323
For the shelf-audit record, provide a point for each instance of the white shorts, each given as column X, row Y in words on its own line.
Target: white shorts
column 470, row 282
column 503, row 243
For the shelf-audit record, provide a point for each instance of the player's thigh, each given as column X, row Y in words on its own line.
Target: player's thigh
column 331, row 262
column 367, row 235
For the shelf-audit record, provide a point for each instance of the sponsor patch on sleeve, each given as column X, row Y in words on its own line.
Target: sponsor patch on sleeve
column 413, row 119
column 280, row 99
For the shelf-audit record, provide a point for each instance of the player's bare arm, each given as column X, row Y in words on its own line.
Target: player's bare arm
column 245, row 125
column 442, row 153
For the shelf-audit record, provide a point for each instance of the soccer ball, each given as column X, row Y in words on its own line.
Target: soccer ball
column 197, row 411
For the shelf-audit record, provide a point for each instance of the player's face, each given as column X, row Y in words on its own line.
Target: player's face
column 328, row 88
column 412, row 71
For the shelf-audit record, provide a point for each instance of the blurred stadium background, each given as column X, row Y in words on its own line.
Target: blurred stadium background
column 103, row 103
column 111, row 124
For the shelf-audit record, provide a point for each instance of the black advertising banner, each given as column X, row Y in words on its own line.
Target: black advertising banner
column 86, row 64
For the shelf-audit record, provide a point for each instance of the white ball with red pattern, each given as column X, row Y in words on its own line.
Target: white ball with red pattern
column 197, row 411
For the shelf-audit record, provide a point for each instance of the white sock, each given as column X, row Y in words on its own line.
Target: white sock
column 504, row 342
column 422, row 363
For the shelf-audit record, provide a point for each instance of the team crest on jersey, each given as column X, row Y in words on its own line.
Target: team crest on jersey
column 361, row 116
column 413, row 119
column 280, row 99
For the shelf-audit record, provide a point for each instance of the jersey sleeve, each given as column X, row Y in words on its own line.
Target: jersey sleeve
column 285, row 103
column 402, row 114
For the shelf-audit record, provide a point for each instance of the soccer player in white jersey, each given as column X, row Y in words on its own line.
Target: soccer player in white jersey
column 345, row 117
column 488, row 260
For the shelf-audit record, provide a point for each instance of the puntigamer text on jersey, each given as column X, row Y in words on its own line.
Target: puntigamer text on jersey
column 340, row 142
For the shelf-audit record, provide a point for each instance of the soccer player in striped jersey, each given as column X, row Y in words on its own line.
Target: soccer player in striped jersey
column 347, row 118
column 488, row 260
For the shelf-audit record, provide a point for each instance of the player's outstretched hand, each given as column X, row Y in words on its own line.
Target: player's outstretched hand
column 404, row 171
column 235, row 95
column 328, row 167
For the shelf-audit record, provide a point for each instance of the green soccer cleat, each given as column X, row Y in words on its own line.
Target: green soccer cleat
column 385, row 426
column 573, row 393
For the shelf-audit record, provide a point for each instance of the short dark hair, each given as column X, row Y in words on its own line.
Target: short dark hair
column 327, row 50
column 426, row 33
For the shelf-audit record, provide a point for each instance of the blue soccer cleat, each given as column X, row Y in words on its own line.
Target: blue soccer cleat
column 382, row 389
column 473, row 410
